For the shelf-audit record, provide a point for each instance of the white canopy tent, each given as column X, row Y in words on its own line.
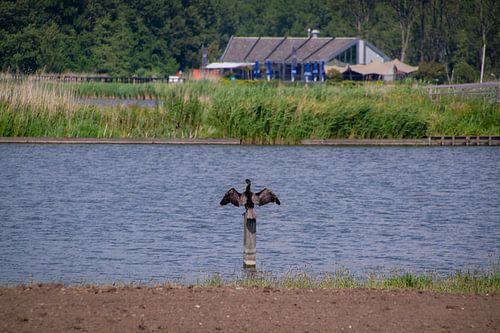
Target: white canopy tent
column 402, row 67
column 385, row 70
column 228, row 65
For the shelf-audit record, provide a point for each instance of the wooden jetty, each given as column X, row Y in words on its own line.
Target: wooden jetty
column 119, row 141
column 429, row 141
column 89, row 78
column 488, row 90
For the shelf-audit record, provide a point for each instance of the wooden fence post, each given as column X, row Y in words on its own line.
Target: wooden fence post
column 249, row 242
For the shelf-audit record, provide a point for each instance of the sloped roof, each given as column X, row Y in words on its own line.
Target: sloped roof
column 285, row 49
column 238, row 48
column 334, row 48
column 279, row 49
column 262, row 48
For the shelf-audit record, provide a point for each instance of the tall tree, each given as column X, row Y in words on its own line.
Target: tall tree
column 113, row 49
column 421, row 30
column 406, row 14
column 156, row 37
column 362, row 11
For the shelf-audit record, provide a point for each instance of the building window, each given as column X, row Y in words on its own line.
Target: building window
column 349, row 56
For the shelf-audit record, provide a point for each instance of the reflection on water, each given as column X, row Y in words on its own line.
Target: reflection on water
column 109, row 213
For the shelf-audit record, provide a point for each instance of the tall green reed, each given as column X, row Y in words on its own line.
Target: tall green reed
column 261, row 113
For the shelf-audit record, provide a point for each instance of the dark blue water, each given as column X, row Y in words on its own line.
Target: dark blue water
column 141, row 213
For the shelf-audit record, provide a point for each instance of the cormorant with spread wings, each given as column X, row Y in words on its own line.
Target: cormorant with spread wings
column 249, row 199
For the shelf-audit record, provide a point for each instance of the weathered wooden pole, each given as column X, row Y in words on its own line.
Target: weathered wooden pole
column 249, row 242
column 249, row 199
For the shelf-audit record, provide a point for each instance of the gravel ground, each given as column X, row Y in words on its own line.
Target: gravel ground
column 59, row 308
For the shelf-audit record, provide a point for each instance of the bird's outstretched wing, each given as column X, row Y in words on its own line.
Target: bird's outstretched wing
column 264, row 197
column 234, row 197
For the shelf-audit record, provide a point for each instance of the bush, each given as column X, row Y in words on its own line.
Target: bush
column 465, row 73
column 229, row 75
column 350, row 83
column 333, row 75
column 432, row 72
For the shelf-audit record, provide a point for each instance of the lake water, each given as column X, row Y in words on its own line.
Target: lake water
column 142, row 213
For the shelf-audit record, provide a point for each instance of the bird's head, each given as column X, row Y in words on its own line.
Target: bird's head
column 248, row 181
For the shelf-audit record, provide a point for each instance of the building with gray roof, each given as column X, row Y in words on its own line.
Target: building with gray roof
column 279, row 55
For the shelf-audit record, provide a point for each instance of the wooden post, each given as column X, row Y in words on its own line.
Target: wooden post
column 482, row 63
column 249, row 242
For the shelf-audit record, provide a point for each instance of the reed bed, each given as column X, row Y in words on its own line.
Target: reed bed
column 255, row 113
column 36, row 95
column 134, row 91
column 459, row 282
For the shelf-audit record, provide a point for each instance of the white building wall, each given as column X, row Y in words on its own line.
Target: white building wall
column 361, row 52
column 371, row 55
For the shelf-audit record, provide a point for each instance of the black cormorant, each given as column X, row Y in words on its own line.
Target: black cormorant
column 249, row 199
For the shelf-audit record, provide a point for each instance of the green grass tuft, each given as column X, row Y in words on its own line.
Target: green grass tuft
column 459, row 282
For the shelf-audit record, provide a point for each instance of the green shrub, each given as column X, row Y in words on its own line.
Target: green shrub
column 333, row 75
column 465, row 73
column 432, row 72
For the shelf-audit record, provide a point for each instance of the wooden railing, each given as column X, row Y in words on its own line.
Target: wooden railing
column 89, row 78
column 429, row 141
column 489, row 90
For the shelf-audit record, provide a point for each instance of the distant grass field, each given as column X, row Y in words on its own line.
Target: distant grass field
column 253, row 112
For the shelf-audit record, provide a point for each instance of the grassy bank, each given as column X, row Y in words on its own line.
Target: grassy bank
column 262, row 113
column 460, row 282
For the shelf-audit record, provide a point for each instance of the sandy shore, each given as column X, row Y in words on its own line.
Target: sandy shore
column 58, row 308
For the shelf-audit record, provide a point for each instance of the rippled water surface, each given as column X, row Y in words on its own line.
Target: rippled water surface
column 107, row 213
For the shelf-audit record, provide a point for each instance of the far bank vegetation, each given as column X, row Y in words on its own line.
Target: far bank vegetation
column 255, row 113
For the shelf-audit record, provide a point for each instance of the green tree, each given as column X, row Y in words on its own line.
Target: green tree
column 113, row 48
column 465, row 73
column 156, row 37
column 22, row 50
column 406, row 14
column 52, row 52
column 432, row 72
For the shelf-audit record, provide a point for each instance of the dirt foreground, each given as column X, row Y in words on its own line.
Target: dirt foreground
column 58, row 308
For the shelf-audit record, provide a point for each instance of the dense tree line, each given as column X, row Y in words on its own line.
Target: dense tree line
column 158, row 37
